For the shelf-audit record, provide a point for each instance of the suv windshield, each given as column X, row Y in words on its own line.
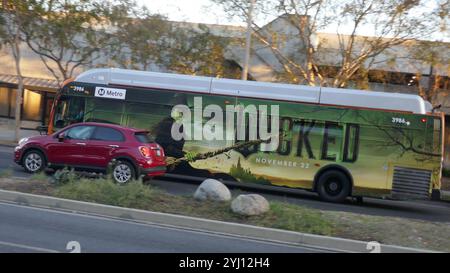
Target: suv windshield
column 143, row 137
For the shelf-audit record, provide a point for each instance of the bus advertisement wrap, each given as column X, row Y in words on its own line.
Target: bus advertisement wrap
column 299, row 140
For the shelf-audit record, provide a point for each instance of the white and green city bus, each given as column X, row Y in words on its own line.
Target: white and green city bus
column 337, row 142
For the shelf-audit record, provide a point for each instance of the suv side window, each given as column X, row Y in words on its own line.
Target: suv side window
column 143, row 137
column 80, row 132
column 107, row 134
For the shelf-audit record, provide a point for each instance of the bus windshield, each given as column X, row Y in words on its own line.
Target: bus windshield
column 69, row 111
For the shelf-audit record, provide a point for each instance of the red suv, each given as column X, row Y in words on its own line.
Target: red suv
column 93, row 146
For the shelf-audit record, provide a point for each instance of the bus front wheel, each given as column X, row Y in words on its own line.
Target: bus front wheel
column 333, row 186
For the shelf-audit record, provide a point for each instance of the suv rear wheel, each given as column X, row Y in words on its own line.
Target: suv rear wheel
column 333, row 186
column 34, row 161
column 123, row 172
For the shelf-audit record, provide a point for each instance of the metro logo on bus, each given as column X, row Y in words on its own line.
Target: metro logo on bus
column 111, row 93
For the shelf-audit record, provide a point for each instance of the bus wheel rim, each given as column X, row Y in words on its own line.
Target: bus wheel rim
column 33, row 162
column 333, row 187
column 122, row 173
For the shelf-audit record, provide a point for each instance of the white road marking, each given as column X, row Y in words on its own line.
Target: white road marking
column 39, row 249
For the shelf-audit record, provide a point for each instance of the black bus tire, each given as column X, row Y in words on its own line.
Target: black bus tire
column 333, row 186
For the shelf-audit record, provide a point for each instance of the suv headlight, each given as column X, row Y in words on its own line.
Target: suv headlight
column 23, row 140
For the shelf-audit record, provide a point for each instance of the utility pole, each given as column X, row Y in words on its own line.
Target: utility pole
column 248, row 39
column 15, row 46
column 431, row 80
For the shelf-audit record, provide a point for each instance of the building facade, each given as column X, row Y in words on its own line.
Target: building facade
column 37, row 100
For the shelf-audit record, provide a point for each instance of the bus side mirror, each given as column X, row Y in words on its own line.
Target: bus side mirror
column 61, row 137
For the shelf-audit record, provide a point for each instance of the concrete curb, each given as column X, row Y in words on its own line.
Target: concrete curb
column 233, row 229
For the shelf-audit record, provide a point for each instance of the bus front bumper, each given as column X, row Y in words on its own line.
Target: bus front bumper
column 436, row 195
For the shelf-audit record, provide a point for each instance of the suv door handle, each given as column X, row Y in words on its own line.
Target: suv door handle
column 114, row 146
column 81, row 143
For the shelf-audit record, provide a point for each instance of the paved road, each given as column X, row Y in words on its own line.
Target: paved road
column 422, row 210
column 27, row 229
column 6, row 162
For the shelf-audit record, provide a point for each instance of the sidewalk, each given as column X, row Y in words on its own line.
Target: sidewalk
column 7, row 135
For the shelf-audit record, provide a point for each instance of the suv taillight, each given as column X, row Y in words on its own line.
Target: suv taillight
column 145, row 151
column 154, row 150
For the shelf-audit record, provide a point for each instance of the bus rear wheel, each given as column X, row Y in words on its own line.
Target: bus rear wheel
column 333, row 186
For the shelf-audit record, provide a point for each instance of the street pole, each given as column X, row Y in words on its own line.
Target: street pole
column 248, row 40
column 430, row 83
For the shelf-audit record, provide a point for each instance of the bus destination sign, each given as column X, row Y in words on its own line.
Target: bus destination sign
column 111, row 93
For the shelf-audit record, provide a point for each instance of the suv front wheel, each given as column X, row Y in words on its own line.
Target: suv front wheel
column 123, row 172
column 34, row 161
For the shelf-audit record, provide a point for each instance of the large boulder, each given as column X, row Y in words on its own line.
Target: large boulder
column 211, row 189
column 250, row 204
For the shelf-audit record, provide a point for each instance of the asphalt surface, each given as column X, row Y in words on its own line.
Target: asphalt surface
column 35, row 230
column 420, row 210
column 7, row 162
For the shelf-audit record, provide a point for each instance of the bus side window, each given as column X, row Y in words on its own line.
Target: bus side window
column 433, row 136
column 104, row 110
column 437, row 135
column 332, row 141
column 351, row 143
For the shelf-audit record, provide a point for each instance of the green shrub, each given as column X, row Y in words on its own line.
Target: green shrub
column 64, row 176
column 297, row 218
column 133, row 194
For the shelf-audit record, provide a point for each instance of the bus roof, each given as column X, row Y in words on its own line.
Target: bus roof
column 253, row 89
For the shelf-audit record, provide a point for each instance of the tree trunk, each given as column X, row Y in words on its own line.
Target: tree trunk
column 248, row 40
column 310, row 66
column 17, row 56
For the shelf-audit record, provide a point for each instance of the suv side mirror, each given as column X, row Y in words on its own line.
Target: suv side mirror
column 61, row 137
